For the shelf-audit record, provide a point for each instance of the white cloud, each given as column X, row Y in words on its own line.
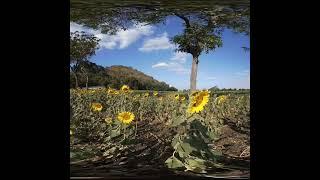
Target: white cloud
column 172, row 66
column 176, row 63
column 77, row 27
column 121, row 39
column 180, row 57
column 157, row 43
column 160, row 64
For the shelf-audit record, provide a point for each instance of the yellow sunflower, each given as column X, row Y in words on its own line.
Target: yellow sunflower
column 96, row 106
column 155, row 93
column 125, row 89
column 221, row 99
column 194, row 93
column 198, row 102
column 146, row 94
column 182, row 98
column 126, row 117
column 177, row 96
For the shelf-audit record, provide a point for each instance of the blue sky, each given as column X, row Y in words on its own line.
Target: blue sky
column 147, row 48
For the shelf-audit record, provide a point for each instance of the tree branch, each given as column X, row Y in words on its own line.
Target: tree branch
column 186, row 20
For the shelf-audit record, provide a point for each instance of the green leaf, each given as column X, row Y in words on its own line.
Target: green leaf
column 177, row 121
column 130, row 132
column 117, row 123
column 184, row 149
column 187, row 148
column 212, row 135
column 173, row 163
column 175, row 140
column 195, row 117
column 196, row 165
column 115, row 133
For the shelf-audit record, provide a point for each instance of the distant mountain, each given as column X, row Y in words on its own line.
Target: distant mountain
column 116, row 76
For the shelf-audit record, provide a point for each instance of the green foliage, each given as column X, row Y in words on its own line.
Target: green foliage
column 196, row 132
column 196, row 39
column 174, row 163
column 82, row 46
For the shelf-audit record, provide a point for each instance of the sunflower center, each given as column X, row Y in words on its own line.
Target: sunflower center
column 126, row 116
column 198, row 99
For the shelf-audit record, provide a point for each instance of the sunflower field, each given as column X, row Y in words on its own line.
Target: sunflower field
column 202, row 132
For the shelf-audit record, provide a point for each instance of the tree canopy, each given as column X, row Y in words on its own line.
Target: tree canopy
column 82, row 46
column 112, row 15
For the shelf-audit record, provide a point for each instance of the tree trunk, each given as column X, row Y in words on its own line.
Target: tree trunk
column 76, row 78
column 87, row 81
column 87, row 77
column 194, row 70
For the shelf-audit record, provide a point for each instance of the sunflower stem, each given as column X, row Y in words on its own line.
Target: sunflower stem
column 135, row 133
column 124, row 133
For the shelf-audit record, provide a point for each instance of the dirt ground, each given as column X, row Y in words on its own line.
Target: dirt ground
column 145, row 158
column 234, row 144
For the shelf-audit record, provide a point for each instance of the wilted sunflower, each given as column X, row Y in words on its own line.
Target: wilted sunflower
column 198, row 102
column 155, row 93
column 221, row 99
column 136, row 96
column 96, row 106
column 111, row 91
column 160, row 98
column 108, row 120
column 125, row 89
column 146, row 95
column 126, row 117
column 240, row 98
column 177, row 96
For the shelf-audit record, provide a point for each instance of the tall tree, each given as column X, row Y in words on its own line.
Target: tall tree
column 82, row 47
